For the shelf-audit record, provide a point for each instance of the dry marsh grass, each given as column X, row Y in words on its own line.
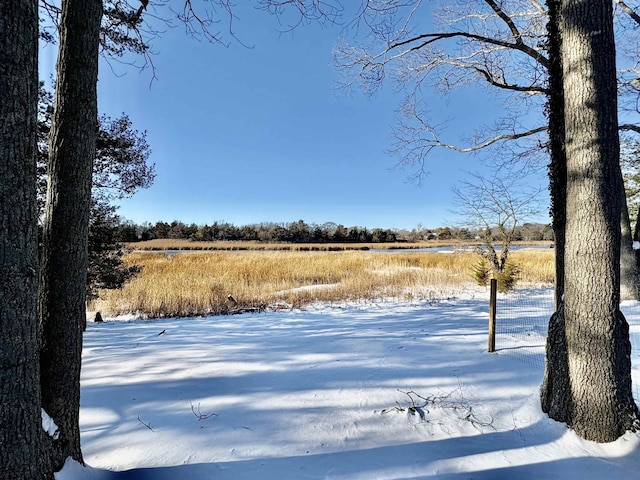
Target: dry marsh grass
column 199, row 283
column 536, row 265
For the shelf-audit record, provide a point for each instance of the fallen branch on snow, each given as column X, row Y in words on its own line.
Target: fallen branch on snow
column 201, row 416
column 421, row 406
column 148, row 425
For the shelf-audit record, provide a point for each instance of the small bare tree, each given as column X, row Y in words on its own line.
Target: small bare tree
column 496, row 206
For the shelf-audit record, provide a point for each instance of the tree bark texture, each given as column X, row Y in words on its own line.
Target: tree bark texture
column 588, row 383
column 64, row 252
column 557, row 154
column 20, row 418
column 636, row 238
column 628, row 267
column 556, row 364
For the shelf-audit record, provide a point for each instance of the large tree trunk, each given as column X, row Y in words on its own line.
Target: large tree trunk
column 558, row 162
column 628, row 268
column 556, row 365
column 636, row 241
column 588, row 381
column 20, row 418
column 64, row 252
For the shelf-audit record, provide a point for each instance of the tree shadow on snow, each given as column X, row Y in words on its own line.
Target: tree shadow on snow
column 422, row 460
column 398, row 351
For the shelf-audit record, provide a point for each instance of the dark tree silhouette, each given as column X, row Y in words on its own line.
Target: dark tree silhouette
column 20, row 418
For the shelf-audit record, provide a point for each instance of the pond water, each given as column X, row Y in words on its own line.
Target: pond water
column 452, row 249
column 441, row 249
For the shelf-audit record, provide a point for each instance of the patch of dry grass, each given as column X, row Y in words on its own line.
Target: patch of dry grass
column 198, row 283
column 536, row 265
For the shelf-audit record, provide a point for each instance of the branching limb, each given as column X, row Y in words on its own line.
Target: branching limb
column 148, row 425
column 319, row 11
column 477, row 46
column 629, row 127
column 502, row 83
column 491, row 45
column 629, row 11
column 453, row 401
column 201, row 416
column 491, row 141
column 414, row 138
column 420, row 41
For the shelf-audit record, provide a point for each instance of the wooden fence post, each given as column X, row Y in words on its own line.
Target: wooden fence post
column 492, row 315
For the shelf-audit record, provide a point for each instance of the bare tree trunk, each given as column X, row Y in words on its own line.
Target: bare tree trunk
column 628, row 268
column 593, row 395
column 20, row 418
column 558, row 163
column 556, row 364
column 636, row 238
column 64, row 253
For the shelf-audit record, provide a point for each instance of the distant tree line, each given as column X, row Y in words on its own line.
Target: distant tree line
column 302, row 232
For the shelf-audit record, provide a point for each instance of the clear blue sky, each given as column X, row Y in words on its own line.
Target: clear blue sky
column 263, row 134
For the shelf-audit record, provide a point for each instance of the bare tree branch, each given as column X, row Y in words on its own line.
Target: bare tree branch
column 429, row 38
column 420, row 137
column 320, row 11
column 499, row 138
column 519, row 42
column 629, row 11
column 532, row 89
column 500, row 45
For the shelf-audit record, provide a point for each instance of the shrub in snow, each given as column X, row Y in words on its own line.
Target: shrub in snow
column 482, row 272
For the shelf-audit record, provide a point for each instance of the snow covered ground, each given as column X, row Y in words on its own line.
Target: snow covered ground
column 385, row 390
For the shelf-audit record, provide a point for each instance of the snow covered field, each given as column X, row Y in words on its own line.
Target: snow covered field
column 366, row 391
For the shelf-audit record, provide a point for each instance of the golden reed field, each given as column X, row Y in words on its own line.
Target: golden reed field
column 200, row 282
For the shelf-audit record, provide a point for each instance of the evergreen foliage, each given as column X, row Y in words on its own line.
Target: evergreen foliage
column 120, row 168
column 106, row 269
column 482, row 271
